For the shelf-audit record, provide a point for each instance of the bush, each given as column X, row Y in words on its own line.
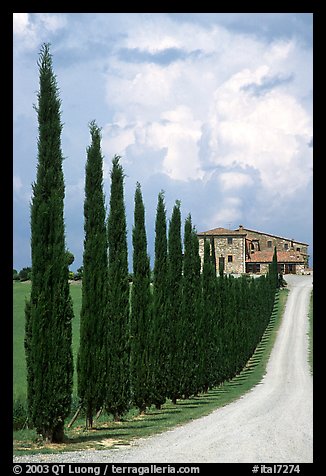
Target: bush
column 25, row 274
column 79, row 274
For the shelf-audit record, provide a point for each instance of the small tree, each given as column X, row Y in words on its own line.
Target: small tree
column 79, row 273
column 25, row 274
column 70, row 257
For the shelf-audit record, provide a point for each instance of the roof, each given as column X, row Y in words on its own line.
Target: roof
column 222, row 232
column 290, row 256
column 274, row 236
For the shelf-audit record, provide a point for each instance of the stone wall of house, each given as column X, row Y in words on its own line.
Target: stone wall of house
column 236, row 250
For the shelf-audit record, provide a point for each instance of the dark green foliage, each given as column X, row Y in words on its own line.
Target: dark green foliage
column 70, row 257
column 29, row 362
column 49, row 312
column 191, row 313
column 91, row 365
column 174, row 309
column 246, row 306
column 140, row 310
column 210, row 333
column 159, row 340
column 118, row 342
column 79, row 273
column 273, row 272
column 25, row 274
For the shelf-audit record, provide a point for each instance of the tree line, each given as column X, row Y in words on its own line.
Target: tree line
column 140, row 343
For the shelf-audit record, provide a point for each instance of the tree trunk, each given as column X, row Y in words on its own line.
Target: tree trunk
column 174, row 400
column 117, row 417
column 89, row 420
column 53, row 435
column 142, row 409
column 58, row 434
column 158, row 406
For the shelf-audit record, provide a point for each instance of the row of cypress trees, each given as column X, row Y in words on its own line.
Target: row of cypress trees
column 139, row 344
column 191, row 331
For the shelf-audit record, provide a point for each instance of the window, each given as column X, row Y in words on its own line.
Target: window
column 253, row 268
column 230, row 258
column 269, row 243
column 298, row 249
column 230, row 240
column 286, row 246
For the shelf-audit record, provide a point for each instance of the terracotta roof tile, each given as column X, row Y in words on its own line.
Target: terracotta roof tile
column 222, row 232
column 289, row 256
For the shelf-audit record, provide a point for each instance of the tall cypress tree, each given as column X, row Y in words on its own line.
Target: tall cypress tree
column 208, row 355
column 199, row 337
column 159, row 351
column 49, row 313
column 190, row 310
column 174, row 307
column 118, row 342
column 140, row 309
column 93, row 318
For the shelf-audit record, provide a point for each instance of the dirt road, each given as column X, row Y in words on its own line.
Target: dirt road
column 271, row 423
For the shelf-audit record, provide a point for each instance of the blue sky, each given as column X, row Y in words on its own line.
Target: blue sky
column 214, row 109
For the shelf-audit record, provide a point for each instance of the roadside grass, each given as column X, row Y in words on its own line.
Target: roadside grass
column 310, row 331
column 109, row 434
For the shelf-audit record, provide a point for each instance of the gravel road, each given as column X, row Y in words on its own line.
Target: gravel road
column 270, row 423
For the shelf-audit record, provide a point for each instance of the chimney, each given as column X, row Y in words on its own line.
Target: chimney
column 240, row 227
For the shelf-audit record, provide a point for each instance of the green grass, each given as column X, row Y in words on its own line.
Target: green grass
column 108, row 434
column 310, row 332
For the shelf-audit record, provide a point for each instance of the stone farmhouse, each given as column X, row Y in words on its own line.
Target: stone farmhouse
column 249, row 251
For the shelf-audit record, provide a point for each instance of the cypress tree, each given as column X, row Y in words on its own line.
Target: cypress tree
column 274, row 270
column 159, row 352
column 49, row 313
column 174, row 301
column 140, row 309
column 190, row 311
column 199, row 347
column 93, row 318
column 118, row 342
column 209, row 319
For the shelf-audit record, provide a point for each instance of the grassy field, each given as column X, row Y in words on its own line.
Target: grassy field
column 107, row 433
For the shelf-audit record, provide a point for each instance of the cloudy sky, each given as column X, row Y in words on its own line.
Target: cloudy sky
column 214, row 109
